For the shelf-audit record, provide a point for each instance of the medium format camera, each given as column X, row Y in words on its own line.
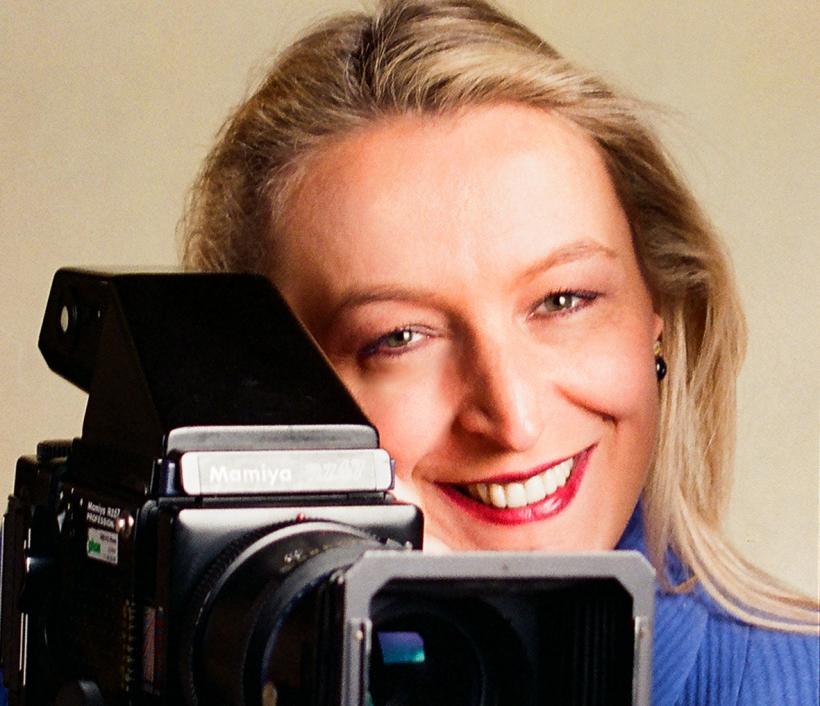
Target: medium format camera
column 222, row 533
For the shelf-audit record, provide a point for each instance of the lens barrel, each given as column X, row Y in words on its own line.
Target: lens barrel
column 255, row 623
column 321, row 614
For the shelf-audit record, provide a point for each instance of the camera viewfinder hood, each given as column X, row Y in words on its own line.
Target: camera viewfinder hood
column 158, row 352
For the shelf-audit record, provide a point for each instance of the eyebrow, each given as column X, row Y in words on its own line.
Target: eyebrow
column 356, row 298
column 572, row 252
column 578, row 250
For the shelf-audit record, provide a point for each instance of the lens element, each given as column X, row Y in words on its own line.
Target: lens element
column 401, row 647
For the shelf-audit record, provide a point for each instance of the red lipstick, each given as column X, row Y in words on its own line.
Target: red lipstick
column 541, row 510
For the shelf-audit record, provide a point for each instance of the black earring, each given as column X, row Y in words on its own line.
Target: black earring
column 660, row 367
column 660, row 363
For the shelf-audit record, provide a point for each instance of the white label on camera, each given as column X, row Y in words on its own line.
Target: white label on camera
column 104, row 516
column 102, row 545
column 293, row 471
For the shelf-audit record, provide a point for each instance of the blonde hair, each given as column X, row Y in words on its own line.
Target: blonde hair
column 439, row 56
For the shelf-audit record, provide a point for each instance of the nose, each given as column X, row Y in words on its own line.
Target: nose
column 502, row 397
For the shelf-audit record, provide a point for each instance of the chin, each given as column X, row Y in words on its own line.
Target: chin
column 543, row 536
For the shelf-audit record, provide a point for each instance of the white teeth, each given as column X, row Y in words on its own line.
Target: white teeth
column 562, row 471
column 550, row 484
column 519, row 494
column 516, row 495
column 535, row 489
column 498, row 498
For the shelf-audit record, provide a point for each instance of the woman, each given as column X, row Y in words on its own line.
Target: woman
column 522, row 295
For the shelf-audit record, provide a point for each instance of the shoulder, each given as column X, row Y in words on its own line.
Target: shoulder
column 737, row 664
column 782, row 668
column 704, row 656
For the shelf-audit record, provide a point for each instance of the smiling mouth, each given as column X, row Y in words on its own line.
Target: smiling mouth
column 517, row 494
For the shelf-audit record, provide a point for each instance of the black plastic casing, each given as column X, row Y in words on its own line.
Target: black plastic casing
column 103, row 548
column 119, row 624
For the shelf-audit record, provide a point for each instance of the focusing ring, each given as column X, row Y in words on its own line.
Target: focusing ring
column 190, row 620
column 256, row 578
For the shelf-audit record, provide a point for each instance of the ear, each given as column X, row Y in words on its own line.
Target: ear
column 657, row 326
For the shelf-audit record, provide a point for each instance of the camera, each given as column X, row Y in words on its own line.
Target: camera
column 222, row 533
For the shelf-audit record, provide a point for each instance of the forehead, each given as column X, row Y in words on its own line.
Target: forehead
column 412, row 196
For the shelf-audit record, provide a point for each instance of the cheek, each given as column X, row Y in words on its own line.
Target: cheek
column 625, row 382
column 410, row 418
column 615, row 377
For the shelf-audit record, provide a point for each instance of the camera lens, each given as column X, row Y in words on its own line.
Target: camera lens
column 430, row 665
column 444, row 653
column 318, row 614
column 255, row 623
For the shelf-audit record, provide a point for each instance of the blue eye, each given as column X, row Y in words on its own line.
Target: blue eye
column 565, row 301
column 398, row 339
column 394, row 343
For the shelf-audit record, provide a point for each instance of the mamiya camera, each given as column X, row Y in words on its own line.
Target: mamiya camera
column 222, row 533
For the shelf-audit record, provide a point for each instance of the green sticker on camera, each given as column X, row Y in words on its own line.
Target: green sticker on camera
column 102, row 545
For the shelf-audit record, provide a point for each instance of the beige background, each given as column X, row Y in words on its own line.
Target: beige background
column 107, row 108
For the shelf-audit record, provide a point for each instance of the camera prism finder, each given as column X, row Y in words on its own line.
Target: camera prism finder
column 222, row 533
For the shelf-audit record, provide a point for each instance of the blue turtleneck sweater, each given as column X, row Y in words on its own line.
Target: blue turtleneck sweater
column 702, row 656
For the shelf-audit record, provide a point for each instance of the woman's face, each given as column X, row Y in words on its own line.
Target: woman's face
column 473, row 281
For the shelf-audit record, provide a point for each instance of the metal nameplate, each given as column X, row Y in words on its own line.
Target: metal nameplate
column 285, row 472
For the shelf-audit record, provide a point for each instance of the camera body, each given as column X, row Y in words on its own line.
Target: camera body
column 118, row 585
column 223, row 533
